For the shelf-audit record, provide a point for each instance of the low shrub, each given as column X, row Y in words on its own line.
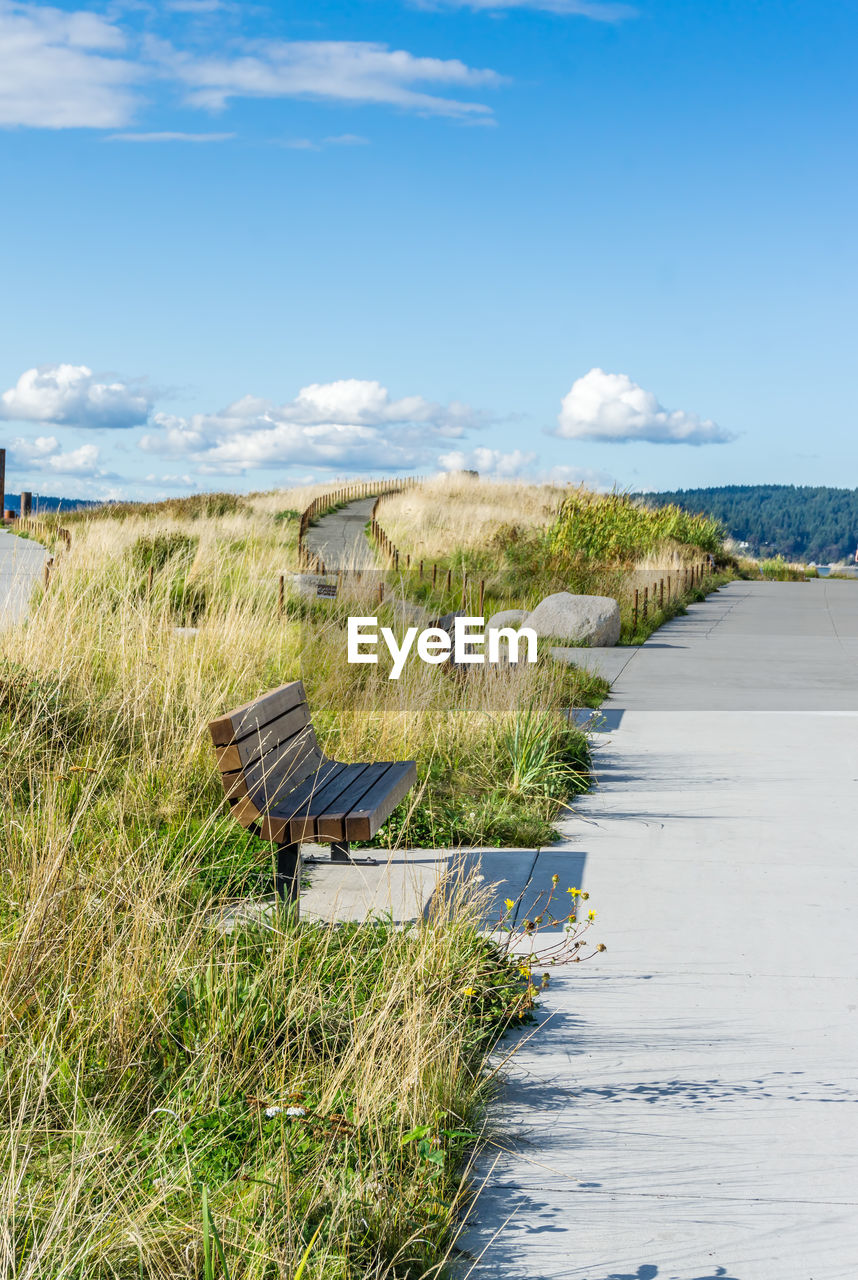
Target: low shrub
column 618, row 529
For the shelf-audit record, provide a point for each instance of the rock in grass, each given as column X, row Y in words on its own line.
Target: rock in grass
column 507, row 618
column 447, row 621
column 591, row 620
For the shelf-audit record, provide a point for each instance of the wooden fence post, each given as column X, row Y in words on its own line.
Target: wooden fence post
column 281, row 596
column 645, row 603
column 635, row 614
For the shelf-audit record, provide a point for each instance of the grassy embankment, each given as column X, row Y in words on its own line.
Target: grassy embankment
column 527, row 541
column 150, row 1061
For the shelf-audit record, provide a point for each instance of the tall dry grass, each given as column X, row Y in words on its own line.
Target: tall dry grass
column 142, row 1047
column 526, row 541
column 451, row 512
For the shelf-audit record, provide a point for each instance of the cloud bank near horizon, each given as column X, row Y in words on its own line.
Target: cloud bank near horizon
column 351, row 424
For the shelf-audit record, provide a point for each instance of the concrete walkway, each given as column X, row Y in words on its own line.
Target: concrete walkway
column 687, row 1109
column 22, row 564
column 340, row 539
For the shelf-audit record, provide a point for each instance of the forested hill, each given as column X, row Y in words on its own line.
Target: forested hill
column 44, row 502
column 779, row 519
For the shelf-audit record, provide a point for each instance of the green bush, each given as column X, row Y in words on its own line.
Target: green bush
column 617, row 529
column 154, row 551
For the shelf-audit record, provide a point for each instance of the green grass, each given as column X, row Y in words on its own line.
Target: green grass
column 149, row 1060
column 778, row 570
column 618, row 529
column 141, row 1046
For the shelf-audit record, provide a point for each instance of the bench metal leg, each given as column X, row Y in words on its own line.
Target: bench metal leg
column 288, row 876
column 341, row 854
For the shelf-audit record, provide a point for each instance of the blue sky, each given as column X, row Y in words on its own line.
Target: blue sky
column 247, row 245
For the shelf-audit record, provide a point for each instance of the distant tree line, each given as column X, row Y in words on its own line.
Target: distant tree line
column 795, row 521
column 45, row 502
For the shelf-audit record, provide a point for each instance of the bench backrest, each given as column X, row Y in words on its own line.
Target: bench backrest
column 265, row 748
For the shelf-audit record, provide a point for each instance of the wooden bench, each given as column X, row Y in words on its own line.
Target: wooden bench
column 280, row 784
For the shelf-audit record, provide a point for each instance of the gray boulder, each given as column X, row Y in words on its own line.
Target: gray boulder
column 507, row 618
column 447, row 621
column 591, row 620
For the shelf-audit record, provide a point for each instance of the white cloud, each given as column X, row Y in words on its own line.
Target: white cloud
column 350, row 423
column 610, row 408
column 195, row 6
column 307, row 144
column 59, row 70
column 568, row 8
column 22, row 452
column 345, row 71
column 600, row 481
column 169, row 136
column 490, row 462
column 71, row 395
column 44, row 453
column 76, row 69
column 82, row 461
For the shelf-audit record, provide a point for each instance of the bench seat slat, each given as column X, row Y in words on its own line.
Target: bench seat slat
column 377, row 804
column 332, row 824
column 256, row 745
column 274, row 823
column 253, row 716
column 303, row 819
column 304, row 790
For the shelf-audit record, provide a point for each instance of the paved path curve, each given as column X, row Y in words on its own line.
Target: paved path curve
column 689, row 1108
column 22, row 564
column 340, row 538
